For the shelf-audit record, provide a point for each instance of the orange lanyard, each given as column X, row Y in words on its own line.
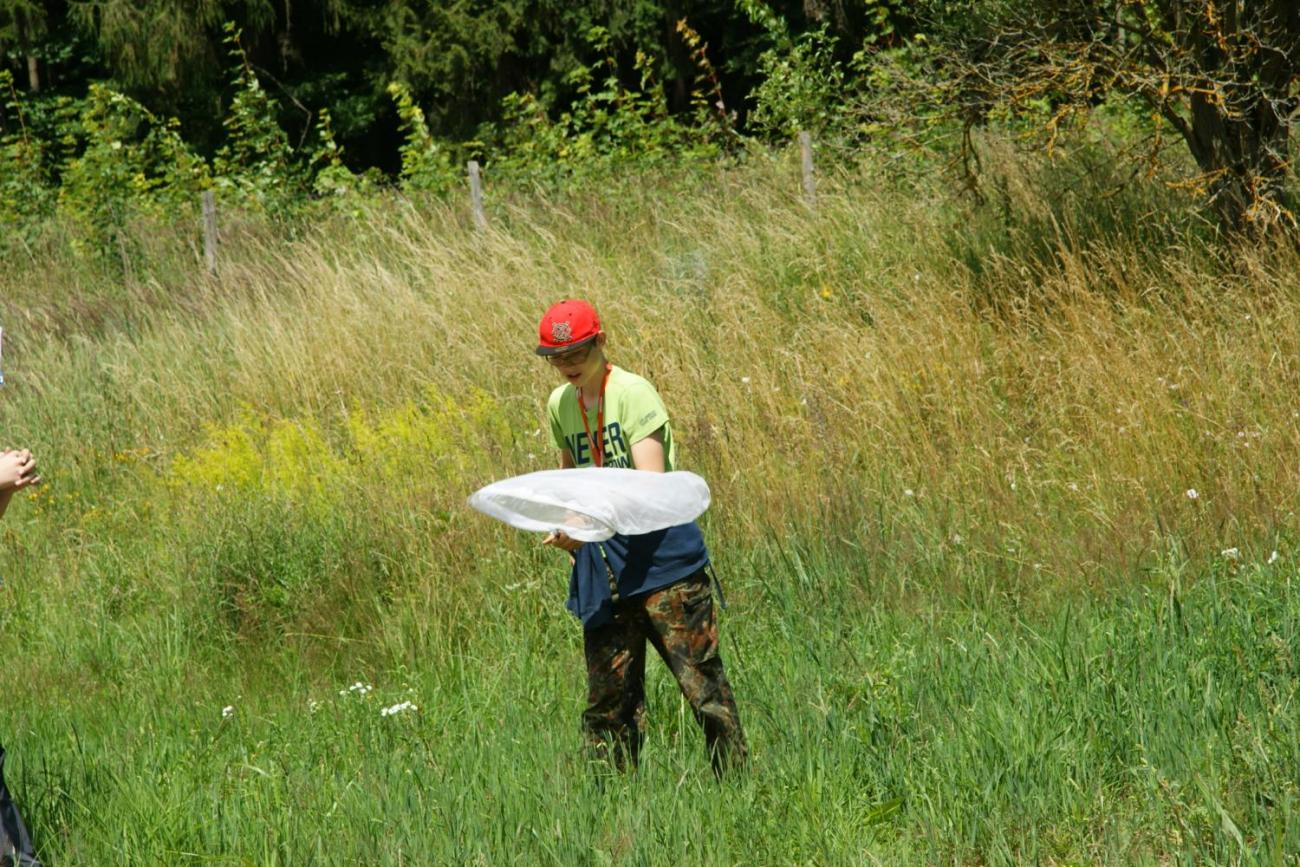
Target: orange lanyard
column 597, row 446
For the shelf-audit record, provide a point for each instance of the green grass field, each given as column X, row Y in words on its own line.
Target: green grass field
column 977, row 614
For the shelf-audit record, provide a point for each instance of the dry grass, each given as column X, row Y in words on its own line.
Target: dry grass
column 841, row 376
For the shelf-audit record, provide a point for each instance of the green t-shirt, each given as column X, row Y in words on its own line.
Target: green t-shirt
column 633, row 411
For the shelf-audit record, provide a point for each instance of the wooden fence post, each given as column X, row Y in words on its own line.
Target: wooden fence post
column 210, row 231
column 476, row 195
column 806, row 161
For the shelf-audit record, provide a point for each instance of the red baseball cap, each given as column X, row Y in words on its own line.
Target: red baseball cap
column 567, row 325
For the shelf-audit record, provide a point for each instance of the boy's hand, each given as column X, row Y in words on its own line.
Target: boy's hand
column 559, row 540
column 17, row 470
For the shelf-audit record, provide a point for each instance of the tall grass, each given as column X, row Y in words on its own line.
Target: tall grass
column 977, row 613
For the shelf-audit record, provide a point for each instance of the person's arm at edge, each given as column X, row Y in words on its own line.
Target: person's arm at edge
column 28, row 477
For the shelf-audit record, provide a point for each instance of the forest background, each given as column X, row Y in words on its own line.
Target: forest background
column 996, row 405
column 277, row 103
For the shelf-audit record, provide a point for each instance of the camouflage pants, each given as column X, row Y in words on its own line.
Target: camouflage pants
column 678, row 620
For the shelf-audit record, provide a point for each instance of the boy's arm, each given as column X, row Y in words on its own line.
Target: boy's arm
column 647, row 421
column 557, row 539
column 648, row 453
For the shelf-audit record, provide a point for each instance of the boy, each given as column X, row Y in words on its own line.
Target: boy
column 632, row 589
column 17, row 471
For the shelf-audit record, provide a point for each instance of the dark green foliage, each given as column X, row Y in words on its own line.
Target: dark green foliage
column 129, row 162
column 459, row 61
column 334, row 181
column 22, row 23
column 802, row 82
column 425, row 164
column 609, row 125
column 164, row 44
column 26, row 189
column 539, row 91
column 256, row 166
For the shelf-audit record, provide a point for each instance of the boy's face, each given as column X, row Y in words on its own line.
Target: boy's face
column 580, row 366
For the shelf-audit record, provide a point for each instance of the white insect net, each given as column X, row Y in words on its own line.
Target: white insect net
column 591, row 504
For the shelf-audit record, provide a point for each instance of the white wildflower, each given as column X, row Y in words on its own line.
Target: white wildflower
column 1273, row 558
column 908, row 492
column 745, row 380
column 1230, row 553
column 359, row 688
column 1191, row 494
column 957, row 539
column 398, row 708
column 228, row 711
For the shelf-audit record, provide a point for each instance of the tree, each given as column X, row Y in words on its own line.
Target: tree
column 166, row 44
column 22, row 23
column 1224, row 74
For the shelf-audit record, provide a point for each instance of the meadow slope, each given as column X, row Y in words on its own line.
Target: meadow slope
column 1005, row 506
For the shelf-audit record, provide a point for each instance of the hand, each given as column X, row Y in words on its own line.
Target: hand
column 17, row 470
column 558, row 540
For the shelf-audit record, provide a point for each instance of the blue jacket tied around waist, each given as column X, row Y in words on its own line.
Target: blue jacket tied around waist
column 641, row 564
